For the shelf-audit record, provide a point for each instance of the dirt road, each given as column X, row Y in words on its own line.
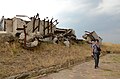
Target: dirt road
column 109, row 69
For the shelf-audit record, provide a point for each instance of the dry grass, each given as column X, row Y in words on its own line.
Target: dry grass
column 112, row 66
column 115, row 48
column 14, row 59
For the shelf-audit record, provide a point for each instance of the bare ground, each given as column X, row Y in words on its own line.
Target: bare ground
column 109, row 69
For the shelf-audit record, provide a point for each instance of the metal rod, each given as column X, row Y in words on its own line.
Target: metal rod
column 44, row 27
column 34, row 23
column 25, row 35
column 38, row 24
column 48, row 26
column 51, row 24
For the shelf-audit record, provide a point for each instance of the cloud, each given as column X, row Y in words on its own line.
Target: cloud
column 108, row 6
column 101, row 16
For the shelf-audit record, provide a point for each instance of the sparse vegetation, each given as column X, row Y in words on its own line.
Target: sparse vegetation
column 112, row 48
column 14, row 59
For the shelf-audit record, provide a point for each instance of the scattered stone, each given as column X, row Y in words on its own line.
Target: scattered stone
column 55, row 40
column 67, row 43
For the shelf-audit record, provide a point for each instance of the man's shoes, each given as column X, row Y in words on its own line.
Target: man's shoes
column 96, row 67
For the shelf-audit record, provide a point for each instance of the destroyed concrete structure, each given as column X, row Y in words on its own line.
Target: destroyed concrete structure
column 44, row 30
column 89, row 36
column 68, row 34
column 34, row 25
column 1, row 23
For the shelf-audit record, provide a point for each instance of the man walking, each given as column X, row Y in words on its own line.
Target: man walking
column 96, row 52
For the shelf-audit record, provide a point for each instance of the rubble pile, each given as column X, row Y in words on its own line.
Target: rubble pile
column 31, row 32
column 89, row 36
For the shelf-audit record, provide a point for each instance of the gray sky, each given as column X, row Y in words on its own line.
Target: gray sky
column 101, row 16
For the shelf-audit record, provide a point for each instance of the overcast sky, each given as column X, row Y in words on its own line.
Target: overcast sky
column 102, row 16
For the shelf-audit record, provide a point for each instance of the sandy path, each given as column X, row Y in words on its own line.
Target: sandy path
column 109, row 69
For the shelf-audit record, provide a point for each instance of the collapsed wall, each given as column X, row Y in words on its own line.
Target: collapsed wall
column 89, row 36
column 35, row 28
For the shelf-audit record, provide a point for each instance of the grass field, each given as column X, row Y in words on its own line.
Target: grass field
column 14, row 59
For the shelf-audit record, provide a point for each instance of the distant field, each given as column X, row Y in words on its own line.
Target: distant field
column 114, row 48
